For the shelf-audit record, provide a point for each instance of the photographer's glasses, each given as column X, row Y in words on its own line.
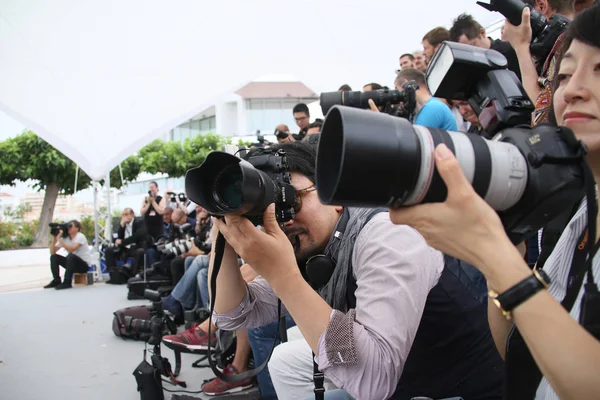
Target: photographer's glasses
column 300, row 193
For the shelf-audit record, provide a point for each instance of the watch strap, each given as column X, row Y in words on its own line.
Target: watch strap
column 523, row 290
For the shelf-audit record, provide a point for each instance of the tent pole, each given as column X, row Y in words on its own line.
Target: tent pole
column 76, row 176
column 121, row 172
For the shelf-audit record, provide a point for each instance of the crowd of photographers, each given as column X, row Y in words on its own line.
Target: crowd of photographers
column 429, row 301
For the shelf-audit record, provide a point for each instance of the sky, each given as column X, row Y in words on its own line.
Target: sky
column 64, row 69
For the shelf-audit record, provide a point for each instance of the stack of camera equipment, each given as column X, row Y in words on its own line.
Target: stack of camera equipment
column 399, row 103
column 181, row 240
column 149, row 375
column 528, row 175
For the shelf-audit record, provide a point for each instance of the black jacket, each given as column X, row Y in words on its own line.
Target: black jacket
column 507, row 51
column 138, row 233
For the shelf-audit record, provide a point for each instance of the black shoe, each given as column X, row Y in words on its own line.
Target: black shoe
column 53, row 283
column 64, row 285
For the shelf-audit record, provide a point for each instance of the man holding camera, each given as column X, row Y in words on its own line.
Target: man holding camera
column 390, row 321
column 130, row 242
column 537, row 86
column 78, row 260
column 431, row 112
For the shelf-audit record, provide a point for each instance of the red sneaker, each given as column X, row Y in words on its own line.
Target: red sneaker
column 217, row 387
column 193, row 338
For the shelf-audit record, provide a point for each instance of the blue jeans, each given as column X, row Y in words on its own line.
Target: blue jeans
column 261, row 340
column 186, row 291
column 203, row 286
column 150, row 257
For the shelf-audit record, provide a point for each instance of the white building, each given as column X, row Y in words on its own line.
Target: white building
column 257, row 106
column 8, row 205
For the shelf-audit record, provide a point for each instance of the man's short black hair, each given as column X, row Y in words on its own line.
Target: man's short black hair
column 301, row 107
column 412, row 58
column 345, row 88
column 374, row 86
column 464, row 24
column 317, row 124
column 301, row 157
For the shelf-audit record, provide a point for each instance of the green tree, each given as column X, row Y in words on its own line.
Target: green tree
column 174, row 158
column 27, row 156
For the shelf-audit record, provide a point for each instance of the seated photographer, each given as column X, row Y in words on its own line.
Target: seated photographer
column 391, row 321
column 466, row 111
column 180, row 218
column 559, row 323
column 314, row 128
column 130, row 242
column 282, row 132
column 152, row 255
column 78, row 260
column 430, row 112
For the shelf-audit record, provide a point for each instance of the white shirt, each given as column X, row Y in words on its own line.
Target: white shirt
column 557, row 267
column 82, row 251
column 128, row 232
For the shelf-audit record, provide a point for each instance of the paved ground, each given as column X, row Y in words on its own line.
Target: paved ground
column 60, row 344
column 24, row 269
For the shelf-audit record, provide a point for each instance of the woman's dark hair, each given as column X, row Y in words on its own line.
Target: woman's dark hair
column 584, row 28
column 76, row 223
column 301, row 157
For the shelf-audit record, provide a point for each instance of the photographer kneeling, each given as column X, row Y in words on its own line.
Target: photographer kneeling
column 556, row 310
column 78, row 260
column 391, row 321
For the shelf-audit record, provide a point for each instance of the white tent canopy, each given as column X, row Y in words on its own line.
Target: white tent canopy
column 100, row 79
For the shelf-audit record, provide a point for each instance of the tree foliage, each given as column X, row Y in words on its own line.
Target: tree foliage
column 174, row 158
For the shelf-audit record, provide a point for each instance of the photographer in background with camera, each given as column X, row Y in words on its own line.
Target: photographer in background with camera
column 374, row 324
column 555, row 311
column 130, row 243
column 537, row 85
column 78, row 260
column 152, row 210
column 430, row 112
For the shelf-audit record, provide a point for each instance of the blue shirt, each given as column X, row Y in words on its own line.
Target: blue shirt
column 436, row 114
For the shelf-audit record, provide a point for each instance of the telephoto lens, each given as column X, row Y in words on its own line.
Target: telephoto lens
column 368, row 159
column 393, row 161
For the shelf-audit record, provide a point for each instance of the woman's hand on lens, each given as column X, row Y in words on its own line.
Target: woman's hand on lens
column 464, row 226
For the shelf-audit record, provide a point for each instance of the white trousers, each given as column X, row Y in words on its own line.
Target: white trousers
column 291, row 368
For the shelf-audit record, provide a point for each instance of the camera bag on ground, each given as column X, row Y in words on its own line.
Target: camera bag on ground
column 120, row 326
column 119, row 275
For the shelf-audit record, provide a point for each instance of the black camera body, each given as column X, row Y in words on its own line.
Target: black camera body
column 544, row 32
column 55, row 227
column 528, row 175
column 225, row 184
column 385, row 98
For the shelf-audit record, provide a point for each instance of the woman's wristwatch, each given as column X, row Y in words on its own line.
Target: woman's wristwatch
column 522, row 291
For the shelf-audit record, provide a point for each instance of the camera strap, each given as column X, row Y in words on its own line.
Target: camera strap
column 522, row 373
column 219, row 250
